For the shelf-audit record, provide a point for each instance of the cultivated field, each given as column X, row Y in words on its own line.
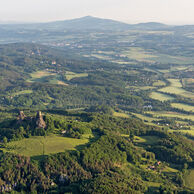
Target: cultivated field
column 138, row 54
column 160, row 96
column 176, row 88
column 157, row 114
column 159, row 83
column 185, row 107
column 189, row 179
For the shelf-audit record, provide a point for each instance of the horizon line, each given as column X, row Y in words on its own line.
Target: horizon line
column 12, row 22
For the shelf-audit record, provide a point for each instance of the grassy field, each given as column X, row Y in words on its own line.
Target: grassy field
column 39, row 76
column 118, row 114
column 139, row 54
column 22, row 92
column 160, row 96
column 176, row 88
column 42, row 76
column 159, row 83
column 189, row 179
column 157, row 114
column 143, row 117
column 185, row 107
column 146, row 139
column 37, row 145
column 70, row 75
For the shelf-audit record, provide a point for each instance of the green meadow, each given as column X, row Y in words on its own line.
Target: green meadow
column 22, row 92
column 160, row 96
column 157, row 114
column 189, row 179
column 70, row 75
column 38, row 145
column 183, row 106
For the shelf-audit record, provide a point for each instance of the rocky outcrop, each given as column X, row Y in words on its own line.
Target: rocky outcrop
column 40, row 121
column 21, row 116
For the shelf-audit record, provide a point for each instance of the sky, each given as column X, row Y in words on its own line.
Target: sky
column 130, row 11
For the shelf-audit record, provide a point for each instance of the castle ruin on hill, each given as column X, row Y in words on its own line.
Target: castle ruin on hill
column 38, row 120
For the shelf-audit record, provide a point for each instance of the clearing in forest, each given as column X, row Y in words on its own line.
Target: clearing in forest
column 38, row 145
column 70, row 75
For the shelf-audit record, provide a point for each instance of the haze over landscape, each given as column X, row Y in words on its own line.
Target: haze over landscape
column 130, row 11
column 97, row 96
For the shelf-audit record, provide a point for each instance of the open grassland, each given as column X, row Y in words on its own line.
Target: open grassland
column 37, row 145
column 170, row 170
column 160, row 96
column 144, row 117
column 176, row 88
column 189, row 179
column 21, row 92
column 118, row 114
column 151, row 139
column 159, row 83
column 157, row 114
column 185, row 107
column 70, row 75
column 188, row 81
column 40, row 74
column 62, row 83
column 138, row 54
column 163, row 58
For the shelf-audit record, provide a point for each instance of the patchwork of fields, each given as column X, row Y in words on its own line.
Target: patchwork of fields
column 176, row 88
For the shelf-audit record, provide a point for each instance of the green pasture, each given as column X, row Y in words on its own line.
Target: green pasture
column 70, row 75
column 160, row 96
column 37, row 145
column 157, row 114
column 176, row 88
column 159, row 83
column 150, row 140
column 118, row 114
column 138, row 54
column 183, row 106
column 189, row 179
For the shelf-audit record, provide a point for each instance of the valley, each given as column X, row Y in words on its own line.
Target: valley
column 96, row 106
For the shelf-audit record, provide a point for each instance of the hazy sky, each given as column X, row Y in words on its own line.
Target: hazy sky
column 131, row 11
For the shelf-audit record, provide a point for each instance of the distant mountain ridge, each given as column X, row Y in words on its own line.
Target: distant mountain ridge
column 88, row 23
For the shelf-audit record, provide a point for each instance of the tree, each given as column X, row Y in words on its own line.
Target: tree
column 5, row 140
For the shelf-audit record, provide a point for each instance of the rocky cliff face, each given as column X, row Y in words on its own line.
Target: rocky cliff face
column 21, row 116
column 39, row 120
